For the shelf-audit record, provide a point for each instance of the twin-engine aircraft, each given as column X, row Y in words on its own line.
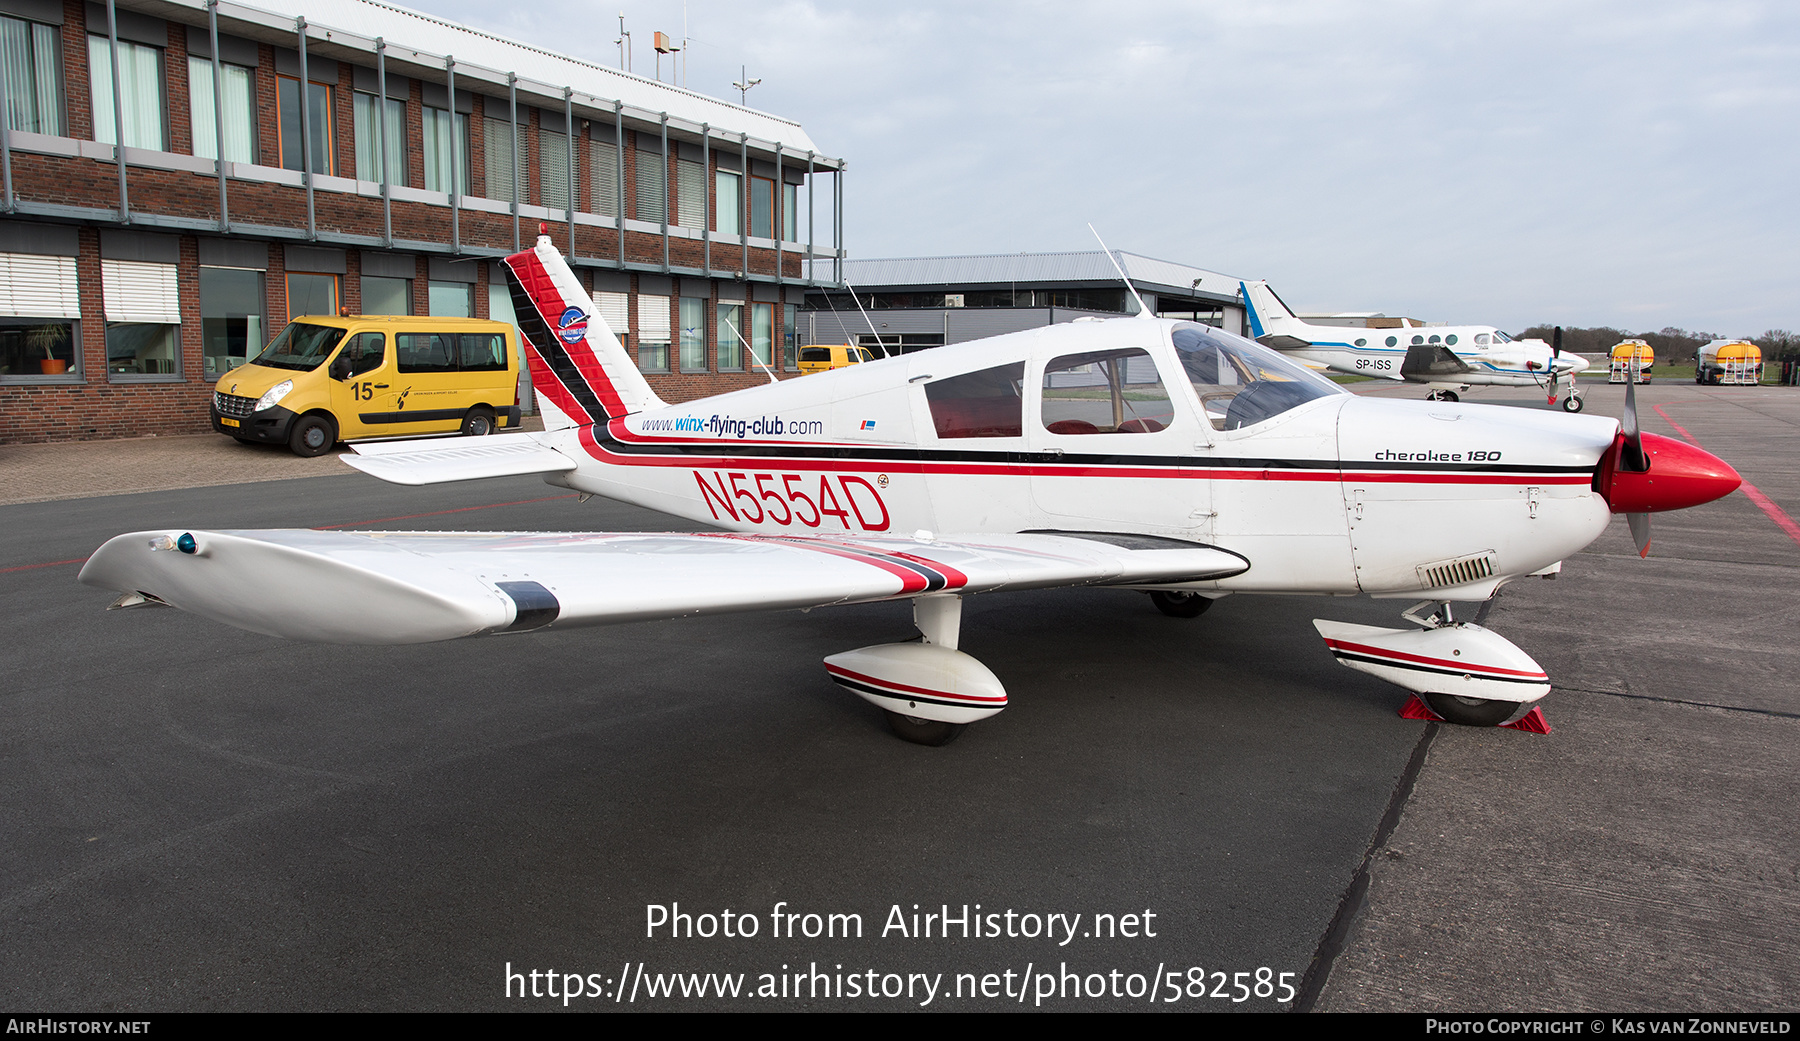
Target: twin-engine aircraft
column 1447, row 359
column 1155, row 455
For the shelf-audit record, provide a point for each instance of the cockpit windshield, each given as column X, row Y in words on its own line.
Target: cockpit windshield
column 1500, row 337
column 301, row 346
column 1240, row 382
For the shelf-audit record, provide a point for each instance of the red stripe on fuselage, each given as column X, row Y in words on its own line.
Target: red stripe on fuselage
column 740, row 462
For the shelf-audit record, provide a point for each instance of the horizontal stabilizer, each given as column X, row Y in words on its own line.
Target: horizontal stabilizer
column 461, row 459
column 407, row 587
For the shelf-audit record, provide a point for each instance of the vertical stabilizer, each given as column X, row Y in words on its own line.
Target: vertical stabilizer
column 579, row 369
column 1268, row 315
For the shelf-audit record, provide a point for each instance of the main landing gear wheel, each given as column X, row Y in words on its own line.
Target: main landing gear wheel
column 1572, row 404
column 933, row 732
column 312, row 436
column 1442, row 395
column 1180, row 604
column 1471, row 712
column 478, row 423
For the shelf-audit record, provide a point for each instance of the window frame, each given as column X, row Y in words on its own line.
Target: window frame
column 396, row 143
column 329, row 141
column 42, row 70
column 97, row 109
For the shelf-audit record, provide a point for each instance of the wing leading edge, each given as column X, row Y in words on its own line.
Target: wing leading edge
column 417, row 587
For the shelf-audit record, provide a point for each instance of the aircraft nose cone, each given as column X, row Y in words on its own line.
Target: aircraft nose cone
column 1568, row 364
column 1680, row 476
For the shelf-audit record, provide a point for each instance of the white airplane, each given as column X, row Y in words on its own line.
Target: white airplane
column 1447, row 359
column 1147, row 454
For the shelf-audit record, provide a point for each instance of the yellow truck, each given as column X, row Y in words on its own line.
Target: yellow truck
column 330, row 379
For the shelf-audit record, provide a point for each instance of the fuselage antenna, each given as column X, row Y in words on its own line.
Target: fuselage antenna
column 1143, row 308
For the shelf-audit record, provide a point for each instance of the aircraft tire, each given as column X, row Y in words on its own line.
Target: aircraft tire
column 1572, row 404
column 1471, row 712
column 1449, row 395
column 1179, row 604
column 313, row 435
column 479, row 422
column 932, row 732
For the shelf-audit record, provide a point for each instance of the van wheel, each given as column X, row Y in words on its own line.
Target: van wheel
column 312, row 436
column 479, row 422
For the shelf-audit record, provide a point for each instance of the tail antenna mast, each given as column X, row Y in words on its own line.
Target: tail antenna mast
column 1143, row 308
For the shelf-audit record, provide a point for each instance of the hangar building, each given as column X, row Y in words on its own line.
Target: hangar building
column 920, row 302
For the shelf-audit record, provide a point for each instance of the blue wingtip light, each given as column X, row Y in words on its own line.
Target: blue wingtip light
column 186, row 543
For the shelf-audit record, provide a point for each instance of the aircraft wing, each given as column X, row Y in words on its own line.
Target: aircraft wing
column 1283, row 342
column 437, row 460
column 419, row 587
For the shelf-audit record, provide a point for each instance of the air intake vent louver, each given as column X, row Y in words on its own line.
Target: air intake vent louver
column 1457, row 572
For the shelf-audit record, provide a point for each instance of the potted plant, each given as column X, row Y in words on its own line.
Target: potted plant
column 45, row 338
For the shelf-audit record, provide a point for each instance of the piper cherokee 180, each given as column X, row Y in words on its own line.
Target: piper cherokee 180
column 1148, row 454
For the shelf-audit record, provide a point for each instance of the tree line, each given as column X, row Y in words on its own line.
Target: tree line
column 1672, row 345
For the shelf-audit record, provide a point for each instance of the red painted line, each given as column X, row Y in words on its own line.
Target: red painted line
column 53, row 563
column 1755, row 495
column 927, row 691
column 435, row 513
column 1459, row 666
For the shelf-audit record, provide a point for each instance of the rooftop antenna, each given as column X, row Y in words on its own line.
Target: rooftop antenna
column 1143, row 308
column 744, row 84
column 663, row 46
column 624, row 42
column 685, row 40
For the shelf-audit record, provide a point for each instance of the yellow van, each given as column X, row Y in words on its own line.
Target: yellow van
column 831, row 356
column 326, row 379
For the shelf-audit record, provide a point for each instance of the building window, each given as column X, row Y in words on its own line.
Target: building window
column 790, row 336
column 790, row 212
column 693, row 334
column 40, row 308
column 500, row 154
column 231, row 318
column 143, row 318
column 319, row 109
column 386, row 295
column 238, row 104
column 728, row 203
column 762, row 207
column 309, row 294
column 368, row 130
column 762, row 333
column 653, row 333
column 652, row 186
column 441, row 151
column 553, row 169
column 140, row 92
column 450, row 299
column 615, row 311
column 731, row 337
column 31, row 61
column 690, row 194
column 603, row 164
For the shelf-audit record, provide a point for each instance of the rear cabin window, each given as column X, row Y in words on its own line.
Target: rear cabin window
column 450, row 352
column 815, row 354
column 1105, row 392
column 986, row 403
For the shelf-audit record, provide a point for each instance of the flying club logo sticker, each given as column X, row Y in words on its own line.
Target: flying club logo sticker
column 572, row 326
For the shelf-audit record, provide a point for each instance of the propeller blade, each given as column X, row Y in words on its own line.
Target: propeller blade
column 1640, row 531
column 1634, row 459
column 1555, row 353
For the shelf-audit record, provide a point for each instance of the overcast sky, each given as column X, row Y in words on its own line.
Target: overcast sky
column 1605, row 163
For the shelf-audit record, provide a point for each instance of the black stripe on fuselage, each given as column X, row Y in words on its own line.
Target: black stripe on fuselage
column 939, row 455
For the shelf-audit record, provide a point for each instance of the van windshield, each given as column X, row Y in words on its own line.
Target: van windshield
column 300, row 347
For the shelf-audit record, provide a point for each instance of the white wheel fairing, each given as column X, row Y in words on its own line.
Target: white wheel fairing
column 920, row 679
column 1465, row 661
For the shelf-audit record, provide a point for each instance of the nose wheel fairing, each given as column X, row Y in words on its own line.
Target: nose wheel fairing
column 1458, row 660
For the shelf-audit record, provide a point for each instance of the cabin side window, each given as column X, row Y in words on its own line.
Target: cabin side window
column 986, row 403
column 1105, row 392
